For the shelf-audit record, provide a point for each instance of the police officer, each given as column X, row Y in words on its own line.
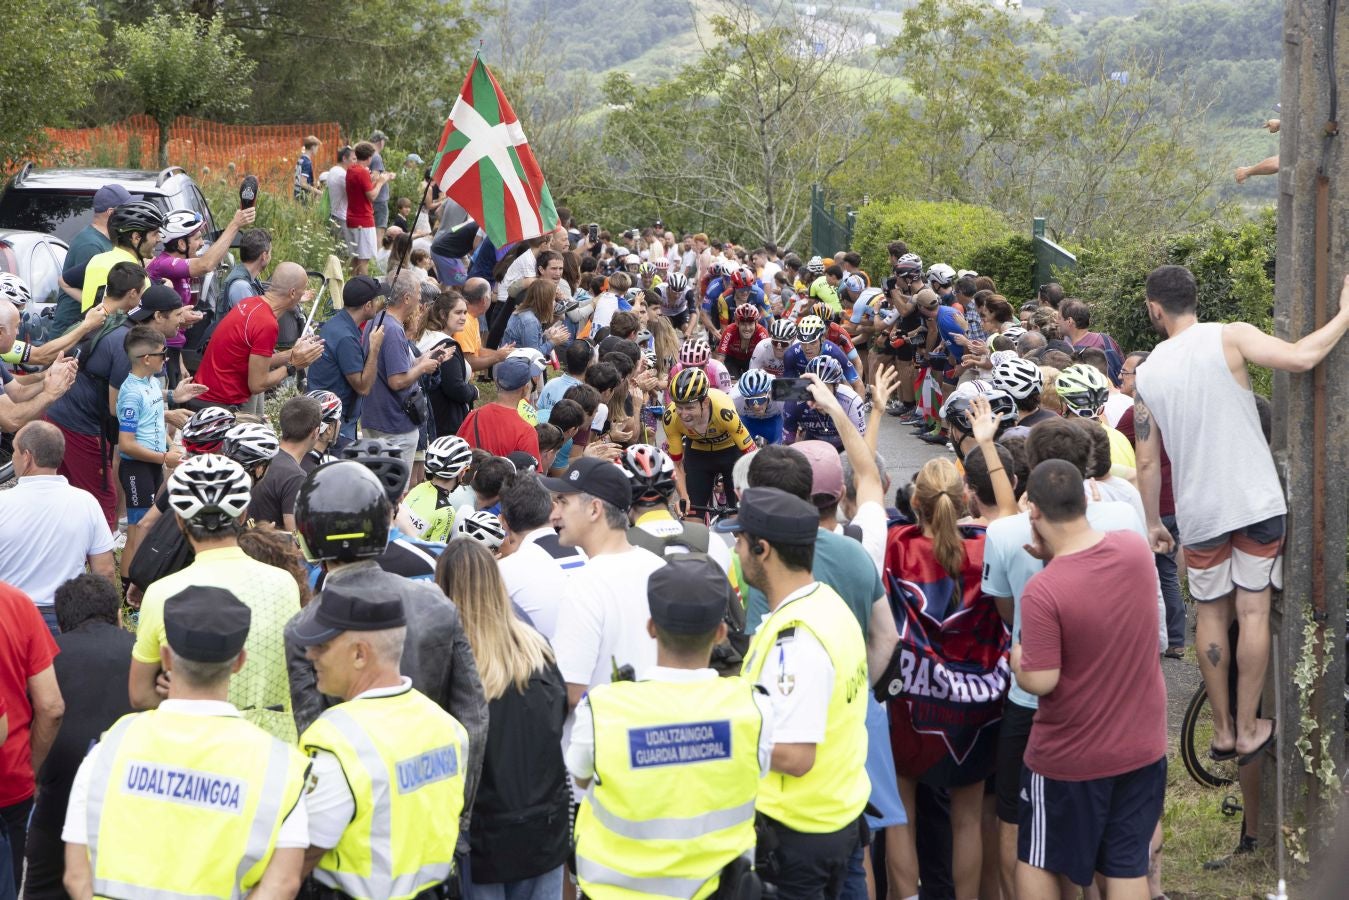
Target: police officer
column 189, row 800
column 389, row 763
column 672, row 762
column 809, row 655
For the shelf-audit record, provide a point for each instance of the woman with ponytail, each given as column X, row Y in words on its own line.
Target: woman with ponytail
column 948, row 676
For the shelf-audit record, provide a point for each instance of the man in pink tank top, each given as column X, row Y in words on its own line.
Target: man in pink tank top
column 1193, row 390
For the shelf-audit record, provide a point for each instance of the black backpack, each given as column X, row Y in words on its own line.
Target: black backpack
column 163, row 551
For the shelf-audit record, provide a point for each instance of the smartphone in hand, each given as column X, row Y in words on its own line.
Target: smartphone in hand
column 790, row 390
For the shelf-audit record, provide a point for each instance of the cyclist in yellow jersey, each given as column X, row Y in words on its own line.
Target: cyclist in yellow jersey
column 210, row 495
column 428, row 505
column 134, row 229
column 703, row 422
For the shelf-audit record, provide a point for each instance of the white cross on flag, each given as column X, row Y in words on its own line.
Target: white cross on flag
column 484, row 164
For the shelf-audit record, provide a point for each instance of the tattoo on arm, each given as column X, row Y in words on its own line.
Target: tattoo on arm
column 1214, row 654
column 1142, row 421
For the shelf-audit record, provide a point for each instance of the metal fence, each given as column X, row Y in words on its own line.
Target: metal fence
column 1048, row 255
column 828, row 234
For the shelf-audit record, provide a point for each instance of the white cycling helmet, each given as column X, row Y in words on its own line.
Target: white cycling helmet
column 480, row 525
column 677, row 282
column 695, row 352
column 180, row 224
column 782, row 330
column 1018, row 377
column 1014, row 333
column 250, row 443
column 210, row 489
column 448, row 456
column 538, row 365
column 14, row 289
column 941, row 274
column 662, row 263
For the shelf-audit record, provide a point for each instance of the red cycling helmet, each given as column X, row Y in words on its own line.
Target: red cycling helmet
column 747, row 312
column 742, row 279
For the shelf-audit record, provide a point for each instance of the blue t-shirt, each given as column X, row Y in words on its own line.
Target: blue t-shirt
column 1007, row 566
column 343, row 355
column 794, row 360
column 552, row 392
column 384, row 407
column 949, row 325
column 81, row 408
column 140, row 411
column 845, row 566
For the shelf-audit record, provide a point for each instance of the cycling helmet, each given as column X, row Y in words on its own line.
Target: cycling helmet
column 909, row 264
column 1018, row 377
column 14, row 289
column 181, row 223
column 742, row 280
column 649, row 357
column 852, row 284
column 677, row 282
column 209, row 490
column 448, row 456
column 756, row 384
column 822, row 310
column 646, row 269
column 206, row 429
column 1084, row 390
column 384, row 459
column 815, row 267
column 695, row 352
column 810, row 329
column 782, row 330
column 690, row 386
column 662, row 263
column 722, row 268
column 826, row 368
column 250, row 443
column 1014, row 333
column 329, row 403
column 537, row 364
column 957, row 411
column 642, row 337
column 652, row 473
column 941, row 274
column 138, row 215
column 481, row 526
column 342, row 513
column 747, row 312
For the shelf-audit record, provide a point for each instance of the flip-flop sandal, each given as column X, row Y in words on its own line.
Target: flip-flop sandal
column 1248, row 758
column 1221, row 755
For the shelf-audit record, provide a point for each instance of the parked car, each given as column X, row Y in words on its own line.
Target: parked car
column 38, row 260
column 60, row 202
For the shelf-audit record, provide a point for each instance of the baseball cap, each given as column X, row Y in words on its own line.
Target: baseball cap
column 111, row 195
column 361, row 290
column 157, row 298
column 332, row 613
column 826, row 470
column 414, row 158
column 206, row 624
column 596, row 477
column 523, row 460
column 688, row 595
column 378, row 136
column 775, row 516
column 512, row 373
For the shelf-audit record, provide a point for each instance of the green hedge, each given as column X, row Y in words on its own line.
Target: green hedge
column 938, row 232
column 1011, row 265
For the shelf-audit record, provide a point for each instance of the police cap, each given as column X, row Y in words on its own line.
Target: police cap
column 206, row 624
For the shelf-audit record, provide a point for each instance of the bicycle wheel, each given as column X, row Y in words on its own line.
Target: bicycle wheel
column 1196, row 735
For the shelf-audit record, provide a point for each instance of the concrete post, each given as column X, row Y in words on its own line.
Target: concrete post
column 1311, row 415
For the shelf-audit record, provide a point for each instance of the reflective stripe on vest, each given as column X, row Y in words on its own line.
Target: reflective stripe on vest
column 232, row 870
column 835, row 790
column 408, row 719
column 672, row 800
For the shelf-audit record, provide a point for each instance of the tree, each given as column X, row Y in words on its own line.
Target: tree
column 48, row 70
column 182, row 65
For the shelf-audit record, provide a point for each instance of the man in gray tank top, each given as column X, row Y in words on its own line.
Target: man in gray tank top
column 1193, row 389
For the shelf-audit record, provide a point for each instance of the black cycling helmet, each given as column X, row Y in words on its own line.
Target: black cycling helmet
column 342, row 513
column 384, row 459
column 138, row 215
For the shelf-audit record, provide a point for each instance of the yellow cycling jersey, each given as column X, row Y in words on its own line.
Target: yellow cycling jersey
column 724, row 428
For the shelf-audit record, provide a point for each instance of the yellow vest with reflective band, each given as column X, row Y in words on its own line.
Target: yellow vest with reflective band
column 672, row 802
column 404, row 759
column 216, row 788
column 835, row 790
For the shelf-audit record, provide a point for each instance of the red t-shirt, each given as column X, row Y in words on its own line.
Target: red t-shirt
column 737, row 347
column 499, row 430
column 360, row 208
column 26, row 648
column 1093, row 616
column 1166, row 502
column 249, row 329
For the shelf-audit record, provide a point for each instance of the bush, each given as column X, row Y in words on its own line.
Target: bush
column 938, row 232
column 1011, row 264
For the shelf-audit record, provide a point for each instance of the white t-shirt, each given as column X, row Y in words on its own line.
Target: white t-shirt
column 1115, row 407
column 798, row 676
column 337, row 193
column 48, row 531
column 535, row 580
column 606, row 305
column 1113, row 487
column 294, row 830
column 602, row 618
column 872, row 520
column 523, row 267
column 580, row 753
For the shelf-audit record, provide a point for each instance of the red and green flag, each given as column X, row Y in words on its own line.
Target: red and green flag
column 484, row 163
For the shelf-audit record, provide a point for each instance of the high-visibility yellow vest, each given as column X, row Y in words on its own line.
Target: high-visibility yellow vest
column 187, row 806
column 404, row 758
column 835, row 790
column 672, row 801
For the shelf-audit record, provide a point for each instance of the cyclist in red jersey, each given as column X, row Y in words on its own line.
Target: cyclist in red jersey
column 738, row 343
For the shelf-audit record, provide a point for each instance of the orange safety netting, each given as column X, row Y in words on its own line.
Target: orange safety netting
column 203, row 148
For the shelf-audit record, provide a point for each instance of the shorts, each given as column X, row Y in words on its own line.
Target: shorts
column 341, row 233
column 140, row 481
column 1250, row 558
column 1012, row 740
column 1078, row 828
column 362, row 243
column 381, row 208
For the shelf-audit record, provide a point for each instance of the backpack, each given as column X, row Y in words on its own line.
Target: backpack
column 163, row 551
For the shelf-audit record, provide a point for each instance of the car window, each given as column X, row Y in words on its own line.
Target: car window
column 61, row 213
column 43, row 268
column 199, row 204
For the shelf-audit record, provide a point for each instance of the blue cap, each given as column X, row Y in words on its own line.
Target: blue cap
column 110, row 196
